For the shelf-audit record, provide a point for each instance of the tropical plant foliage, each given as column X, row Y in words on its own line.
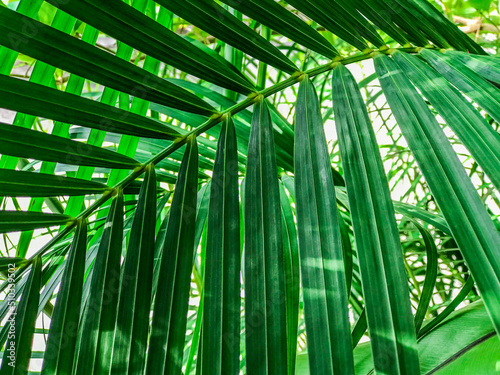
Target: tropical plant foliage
column 171, row 204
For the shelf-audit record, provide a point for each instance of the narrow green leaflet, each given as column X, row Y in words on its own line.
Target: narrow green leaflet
column 457, row 198
column 397, row 13
column 487, row 67
column 73, row 55
column 265, row 307
column 17, row 354
column 7, row 263
column 292, row 277
column 168, row 331
column 374, row 12
column 60, row 350
column 460, row 297
column 350, row 11
column 349, row 21
column 8, row 57
column 479, row 90
column 430, row 275
column 15, row 221
column 26, row 143
column 95, row 341
column 320, row 247
column 475, row 133
column 211, row 17
column 134, row 302
column 38, row 100
column 119, row 20
column 427, row 14
column 276, row 17
column 220, row 337
column 384, row 279
column 31, row 184
column 337, row 25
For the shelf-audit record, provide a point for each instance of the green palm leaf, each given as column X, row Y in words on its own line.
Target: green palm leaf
column 265, row 316
column 58, row 358
column 114, row 17
column 378, row 246
column 61, row 50
column 21, row 142
column 29, row 184
column 95, row 341
column 34, row 99
column 16, row 361
column 470, row 223
column 134, row 301
column 221, row 311
column 320, row 248
column 168, row 330
column 13, row 221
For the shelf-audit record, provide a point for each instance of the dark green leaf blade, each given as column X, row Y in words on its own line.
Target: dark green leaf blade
column 14, row 221
column 266, row 345
column 95, row 342
column 276, row 17
column 320, row 248
column 487, row 67
column 462, row 208
column 336, row 25
column 121, row 21
column 211, row 17
column 474, row 132
column 168, row 332
column 31, row 184
column 134, row 302
column 7, row 263
column 26, row 143
column 221, row 312
column 428, row 15
column 73, row 55
column 430, row 275
column 39, row 100
column 383, row 276
column 479, row 90
column 292, row 277
column 24, row 321
column 60, row 350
